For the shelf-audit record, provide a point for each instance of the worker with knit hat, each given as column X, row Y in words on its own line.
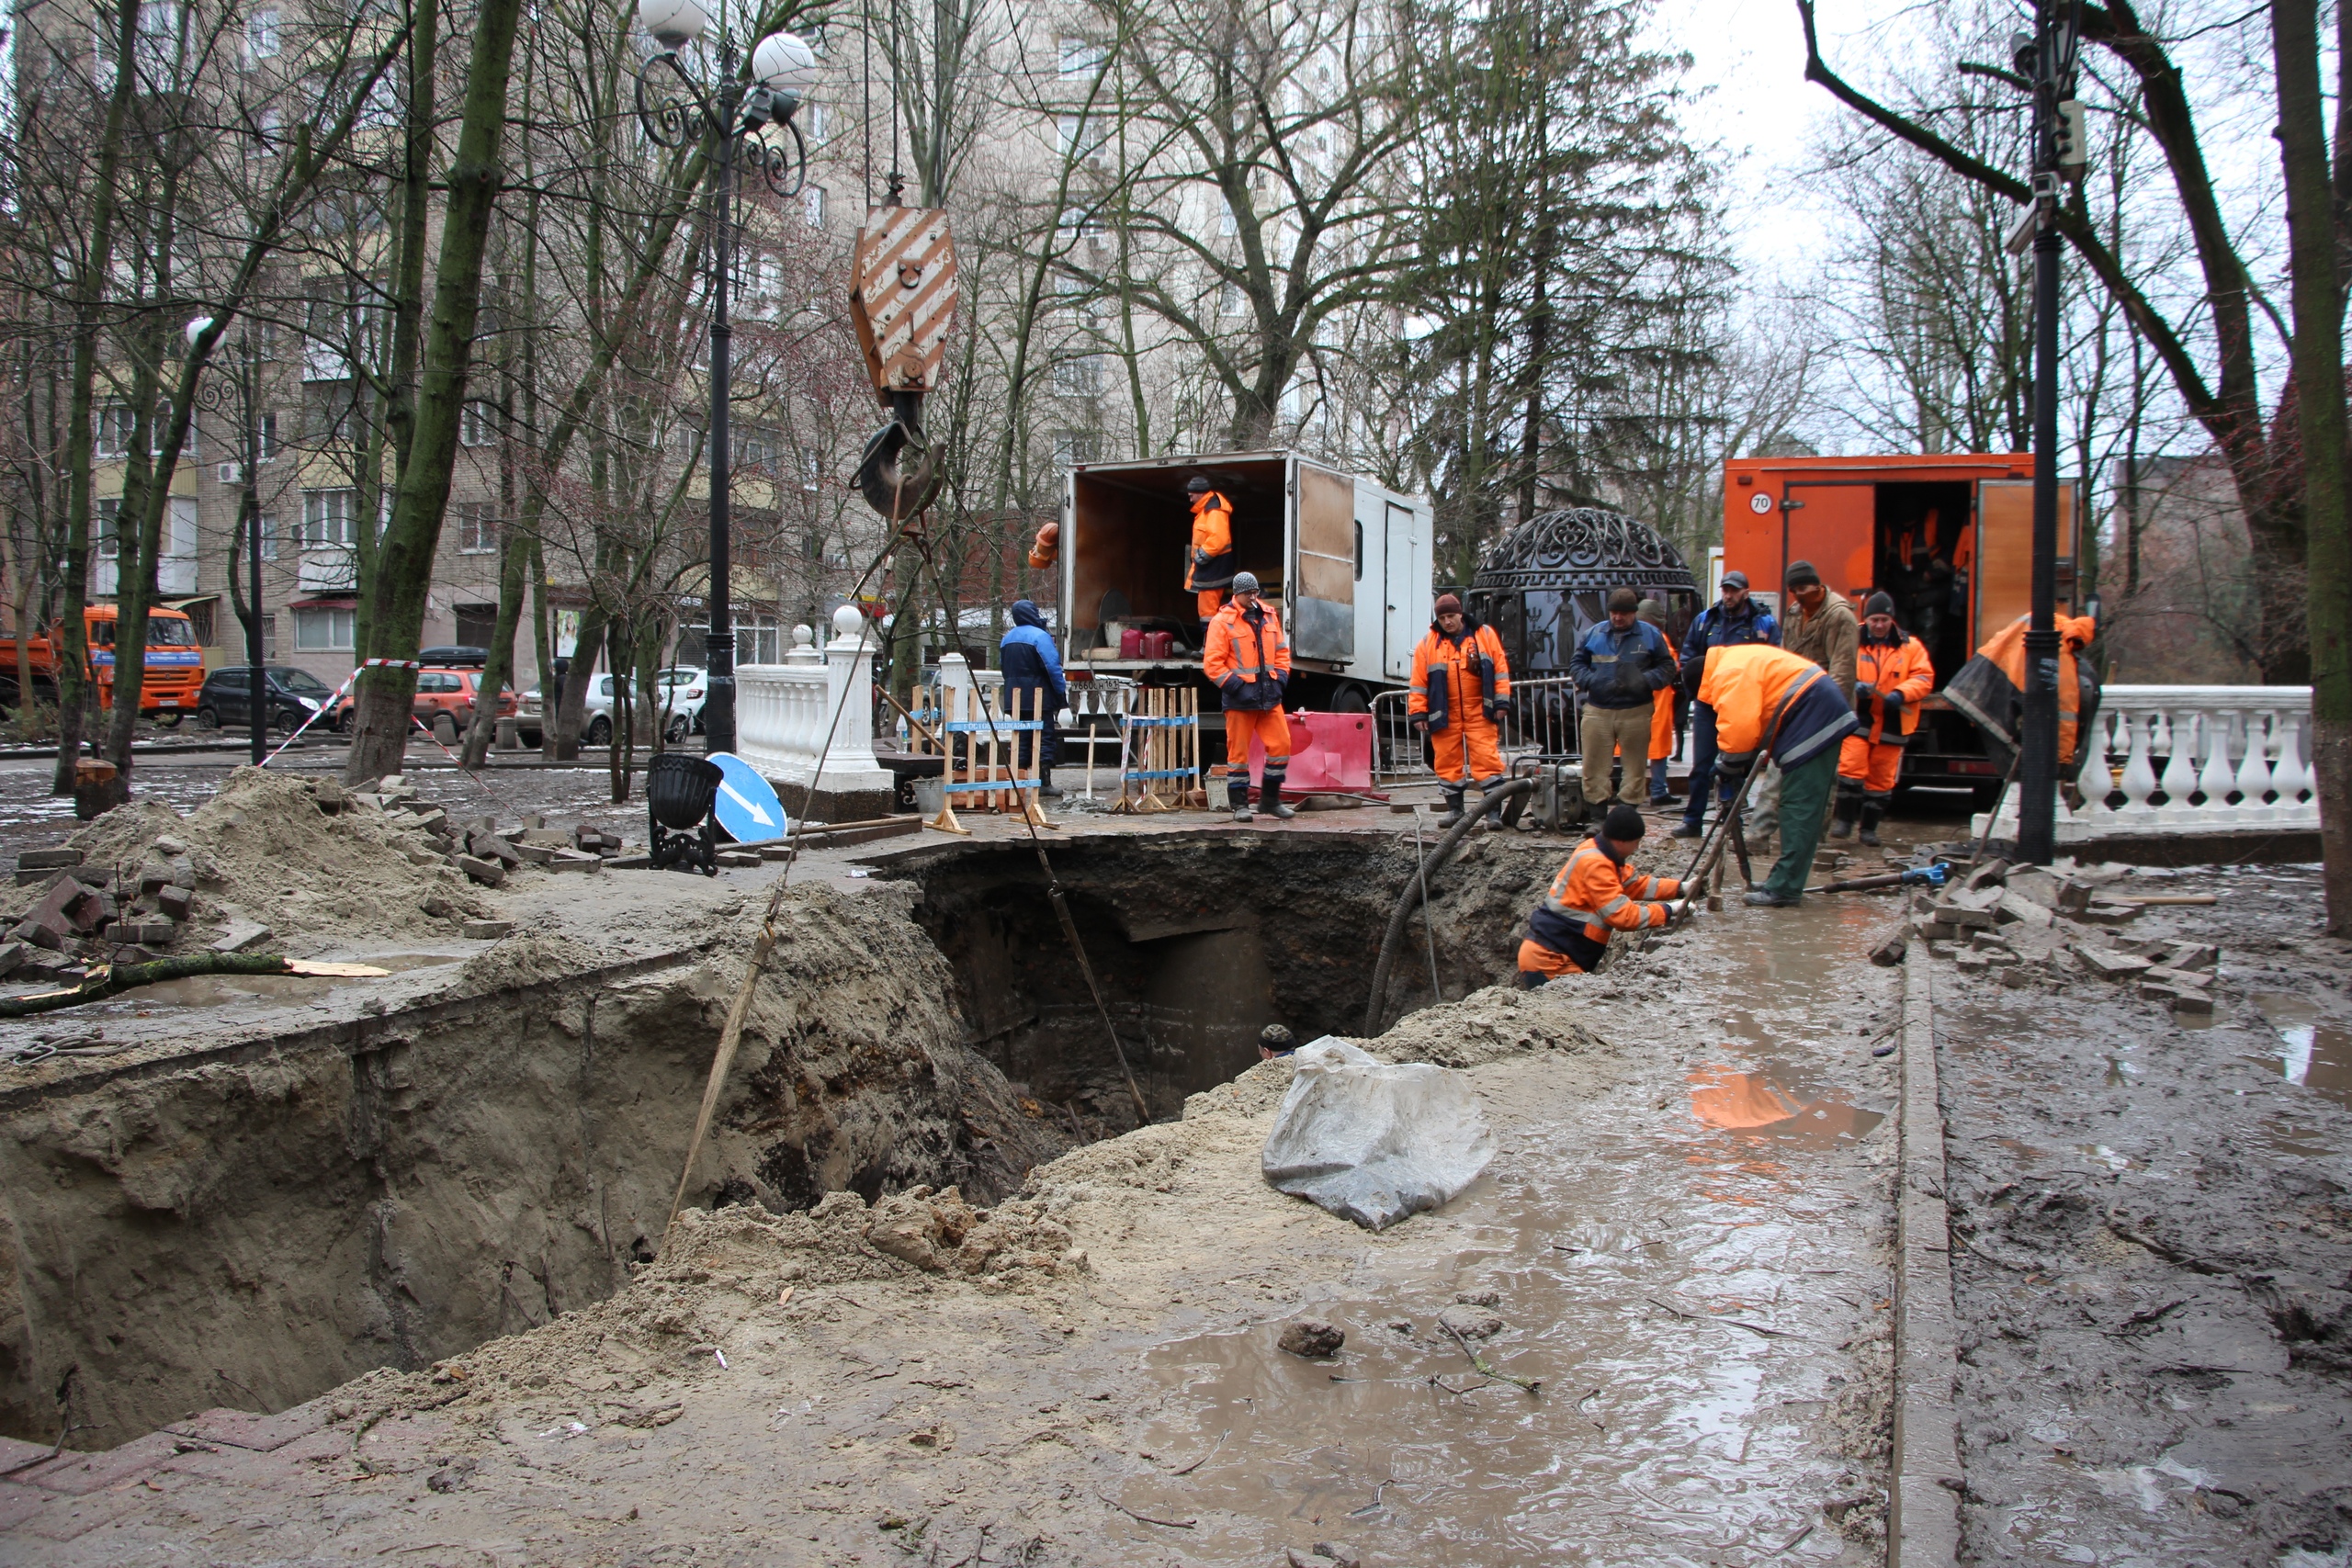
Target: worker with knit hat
column 1892, row 675
column 1618, row 665
column 1597, row 892
column 1461, row 686
column 1248, row 660
column 1208, row 568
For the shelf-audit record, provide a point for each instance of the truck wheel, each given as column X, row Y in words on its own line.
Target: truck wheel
column 1351, row 699
column 207, row 718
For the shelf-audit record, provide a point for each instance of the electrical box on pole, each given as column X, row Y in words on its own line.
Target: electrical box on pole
column 2074, row 140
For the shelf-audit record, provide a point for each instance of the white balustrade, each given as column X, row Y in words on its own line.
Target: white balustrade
column 784, row 713
column 2190, row 760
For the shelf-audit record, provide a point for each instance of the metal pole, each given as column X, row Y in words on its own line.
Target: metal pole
column 2038, row 759
column 718, row 705
column 256, row 687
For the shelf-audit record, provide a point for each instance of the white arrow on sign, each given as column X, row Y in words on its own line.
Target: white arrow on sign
column 759, row 813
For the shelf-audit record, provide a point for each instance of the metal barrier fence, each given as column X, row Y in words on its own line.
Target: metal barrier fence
column 1541, row 727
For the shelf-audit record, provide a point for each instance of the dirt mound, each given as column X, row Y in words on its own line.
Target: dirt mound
column 1492, row 1025
column 293, row 854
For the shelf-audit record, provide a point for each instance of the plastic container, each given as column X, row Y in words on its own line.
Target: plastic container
column 1156, row 644
column 680, row 788
column 1130, row 642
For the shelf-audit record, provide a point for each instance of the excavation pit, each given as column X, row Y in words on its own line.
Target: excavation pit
column 248, row 1201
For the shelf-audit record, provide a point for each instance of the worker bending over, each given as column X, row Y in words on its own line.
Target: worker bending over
column 1595, row 893
column 1248, row 659
column 1771, row 705
column 1618, row 667
column 1891, row 674
column 1461, row 683
column 1210, row 568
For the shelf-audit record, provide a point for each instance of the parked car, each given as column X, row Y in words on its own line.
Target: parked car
column 293, row 697
column 682, row 692
column 438, row 692
column 456, row 656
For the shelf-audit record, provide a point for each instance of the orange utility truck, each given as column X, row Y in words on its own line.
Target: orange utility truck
column 1949, row 537
column 175, row 664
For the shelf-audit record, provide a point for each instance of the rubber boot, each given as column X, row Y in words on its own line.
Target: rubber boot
column 1849, row 808
column 1270, row 796
column 1873, row 810
column 1236, row 795
column 1493, row 814
column 1453, row 807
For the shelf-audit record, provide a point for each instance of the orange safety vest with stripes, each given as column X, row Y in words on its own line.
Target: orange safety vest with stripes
column 1247, row 657
column 1892, row 667
column 1593, row 895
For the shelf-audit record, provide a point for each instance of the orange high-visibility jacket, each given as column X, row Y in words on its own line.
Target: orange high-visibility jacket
column 1894, row 667
column 1592, row 895
column 1471, row 671
column 1766, row 696
column 2005, row 647
column 1250, row 657
column 1211, row 562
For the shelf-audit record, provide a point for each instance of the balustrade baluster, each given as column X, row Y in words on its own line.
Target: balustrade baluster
column 2139, row 765
column 2290, row 777
column 2254, row 768
column 2180, row 780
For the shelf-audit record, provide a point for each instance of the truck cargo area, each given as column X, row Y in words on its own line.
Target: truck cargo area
column 1128, row 551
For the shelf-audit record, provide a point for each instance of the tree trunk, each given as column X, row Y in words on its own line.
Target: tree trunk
column 404, row 564
column 2314, row 260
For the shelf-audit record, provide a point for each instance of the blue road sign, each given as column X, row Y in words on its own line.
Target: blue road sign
column 747, row 807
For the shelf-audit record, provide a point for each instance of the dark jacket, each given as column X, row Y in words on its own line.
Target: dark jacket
column 1027, row 655
column 1621, row 670
column 1720, row 627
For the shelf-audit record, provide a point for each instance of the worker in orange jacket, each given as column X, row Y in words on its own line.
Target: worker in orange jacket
column 1209, row 568
column 1892, row 675
column 1248, row 660
column 1596, row 893
column 1990, row 689
column 1767, row 699
column 1661, row 708
column 1461, row 683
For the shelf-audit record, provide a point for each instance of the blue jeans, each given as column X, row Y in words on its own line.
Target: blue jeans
column 1702, row 762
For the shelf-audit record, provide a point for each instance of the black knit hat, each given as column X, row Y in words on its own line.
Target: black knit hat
column 1195, row 485
column 1624, row 822
column 1802, row 573
column 1881, row 603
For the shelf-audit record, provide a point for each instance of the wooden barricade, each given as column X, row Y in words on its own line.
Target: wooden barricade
column 979, row 730
column 1159, row 752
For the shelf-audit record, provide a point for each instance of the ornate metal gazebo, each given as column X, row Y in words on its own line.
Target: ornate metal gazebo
column 1540, row 586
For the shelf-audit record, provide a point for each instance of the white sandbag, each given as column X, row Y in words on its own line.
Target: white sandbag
column 1374, row 1142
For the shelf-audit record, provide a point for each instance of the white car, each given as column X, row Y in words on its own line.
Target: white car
column 683, row 690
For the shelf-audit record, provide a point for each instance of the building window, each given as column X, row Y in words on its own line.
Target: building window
column 1073, row 446
column 158, row 48
column 756, row 637
column 1081, row 58
column 1078, row 375
column 108, row 542
column 1079, row 141
column 202, row 623
column 269, row 638
column 476, row 528
column 266, row 436
column 755, row 448
column 1228, row 299
column 269, row 129
column 261, row 33
column 812, row 204
column 328, row 521
column 477, row 424
column 268, row 537
column 113, row 435
column 323, row 630
column 816, row 123
column 1077, row 225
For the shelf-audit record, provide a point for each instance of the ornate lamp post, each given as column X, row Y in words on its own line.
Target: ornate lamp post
column 676, row 106
column 243, row 385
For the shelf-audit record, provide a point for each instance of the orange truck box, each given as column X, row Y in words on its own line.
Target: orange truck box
column 1949, row 537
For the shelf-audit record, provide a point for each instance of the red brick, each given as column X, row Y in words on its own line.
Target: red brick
column 81, row 1474
column 66, row 1518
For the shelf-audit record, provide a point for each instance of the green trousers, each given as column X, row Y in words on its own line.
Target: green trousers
column 1805, row 795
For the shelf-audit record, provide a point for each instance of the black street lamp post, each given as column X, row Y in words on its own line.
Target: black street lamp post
column 675, row 108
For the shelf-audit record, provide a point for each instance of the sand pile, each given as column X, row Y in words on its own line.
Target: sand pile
column 294, row 855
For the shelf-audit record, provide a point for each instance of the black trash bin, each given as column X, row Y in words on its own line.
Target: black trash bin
column 679, row 793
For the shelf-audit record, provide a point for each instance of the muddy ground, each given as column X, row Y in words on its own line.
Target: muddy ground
column 2154, row 1248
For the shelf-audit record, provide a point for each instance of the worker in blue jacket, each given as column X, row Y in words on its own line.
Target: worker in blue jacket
column 1031, row 663
column 1732, row 621
column 1618, row 668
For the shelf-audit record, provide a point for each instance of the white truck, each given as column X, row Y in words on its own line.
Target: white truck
column 1349, row 561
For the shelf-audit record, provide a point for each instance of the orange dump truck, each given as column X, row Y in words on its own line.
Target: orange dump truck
column 175, row 664
column 1949, row 538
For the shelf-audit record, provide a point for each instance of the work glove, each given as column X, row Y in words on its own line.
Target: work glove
column 1863, row 695
column 1731, row 774
column 1893, row 701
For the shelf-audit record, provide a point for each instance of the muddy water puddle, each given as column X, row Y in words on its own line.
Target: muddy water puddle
column 1682, row 1263
column 2313, row 1050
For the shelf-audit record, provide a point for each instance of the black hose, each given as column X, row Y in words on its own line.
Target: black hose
column 1427, row 869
